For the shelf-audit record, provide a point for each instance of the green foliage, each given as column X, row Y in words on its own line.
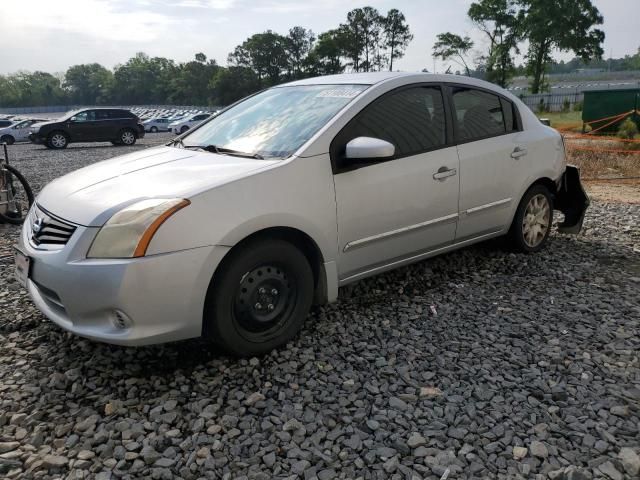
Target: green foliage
column 454, row 47
column 88, row 84
column 628, row 129
column 233, row 83
column 31, row 89
column 578, row 106
column 397, row 35
column 501, row 21
column 565, row 25
column 566, row 105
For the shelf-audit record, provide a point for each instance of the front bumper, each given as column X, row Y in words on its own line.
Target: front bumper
column 572, row 200
column 37, row 138
column 140, row 301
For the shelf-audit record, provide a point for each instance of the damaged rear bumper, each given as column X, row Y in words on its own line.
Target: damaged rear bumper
column 572, row 200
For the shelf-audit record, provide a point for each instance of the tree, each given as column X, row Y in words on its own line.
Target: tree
column 265, row 53
column 450, row 46
column 361, row 37
column 397, row 35
column 326, row 56
column 191, row 85
column 501, row 21
column 565, row 25
column 233, row 83
column 299, row 44
column 143, row 80
column 88, row 84
column 27, row 89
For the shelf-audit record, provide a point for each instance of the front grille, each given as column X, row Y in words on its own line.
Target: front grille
column 47, row 229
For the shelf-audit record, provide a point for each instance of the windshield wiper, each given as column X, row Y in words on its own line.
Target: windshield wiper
column 224, row 151
column 215, row 149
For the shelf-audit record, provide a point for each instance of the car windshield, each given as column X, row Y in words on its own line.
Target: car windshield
column 276, row 122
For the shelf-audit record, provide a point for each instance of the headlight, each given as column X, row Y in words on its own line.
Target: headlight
column 128, row 233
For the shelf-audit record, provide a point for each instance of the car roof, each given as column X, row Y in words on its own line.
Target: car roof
column 371, row 78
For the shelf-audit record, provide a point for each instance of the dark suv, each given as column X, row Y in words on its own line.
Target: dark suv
column 119, row 126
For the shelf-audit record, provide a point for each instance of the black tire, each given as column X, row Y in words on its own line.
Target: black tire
column 183, row 129
column 127, row 137
column 8, row 139
column 24, row 194
column 153, row 129
column 522, row 236
column 259, row 298
column 55, row 140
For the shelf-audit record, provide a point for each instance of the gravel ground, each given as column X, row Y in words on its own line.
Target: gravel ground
column 477, row 364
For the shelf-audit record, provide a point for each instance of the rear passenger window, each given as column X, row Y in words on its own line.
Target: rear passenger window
column 412, row 120
column 478, row 114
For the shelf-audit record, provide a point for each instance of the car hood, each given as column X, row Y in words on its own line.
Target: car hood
column 42, row 124
column 90, row 196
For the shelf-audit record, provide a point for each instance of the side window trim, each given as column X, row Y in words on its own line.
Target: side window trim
column 449, row 137
column 516, row 113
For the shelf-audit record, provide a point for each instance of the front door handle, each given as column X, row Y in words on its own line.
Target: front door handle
column 518, row 152
column 444, row 172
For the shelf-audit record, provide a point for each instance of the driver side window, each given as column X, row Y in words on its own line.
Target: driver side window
column 86, row 116
column 412, row 119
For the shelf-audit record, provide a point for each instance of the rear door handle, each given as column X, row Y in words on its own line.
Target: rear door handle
column 518, row 152
column 444, row 172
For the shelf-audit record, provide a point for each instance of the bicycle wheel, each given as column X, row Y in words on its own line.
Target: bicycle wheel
column 19, row 196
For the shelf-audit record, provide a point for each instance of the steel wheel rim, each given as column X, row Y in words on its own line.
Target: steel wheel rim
column 264, row 301
column 58, row 140
column 536, row 220
column 127, row 138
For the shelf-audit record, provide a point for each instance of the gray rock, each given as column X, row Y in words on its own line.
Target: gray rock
column 416, row 440
column 54, row 461
column 630, row 461
column 610, row 471
column 538, row 449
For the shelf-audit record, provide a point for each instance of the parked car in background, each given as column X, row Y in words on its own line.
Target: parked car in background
column 154, row 125
column 116, row 125
column 185, row 124
column 5, row 122
column 235, row 229
column 18, row 132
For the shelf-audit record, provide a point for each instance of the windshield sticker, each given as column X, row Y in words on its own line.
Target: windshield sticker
column 339, row 93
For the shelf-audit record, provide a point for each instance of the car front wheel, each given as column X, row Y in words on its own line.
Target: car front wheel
column 57, row 140
column 184, row 129
column 259, row 299
column 532, row 223
column 154, row 129
column 127, row 137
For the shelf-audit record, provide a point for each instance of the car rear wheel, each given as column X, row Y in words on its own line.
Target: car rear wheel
column 127, row 137
column 259, row 299
column 153, row 129
column 57, row 140
column 533, row 220
column 8, row 139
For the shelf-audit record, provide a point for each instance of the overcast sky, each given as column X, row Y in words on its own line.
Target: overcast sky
column 52, row 35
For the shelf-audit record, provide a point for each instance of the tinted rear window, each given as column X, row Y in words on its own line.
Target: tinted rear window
column 478, row 114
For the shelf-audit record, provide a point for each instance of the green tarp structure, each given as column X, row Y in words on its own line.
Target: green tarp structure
column 603, row 104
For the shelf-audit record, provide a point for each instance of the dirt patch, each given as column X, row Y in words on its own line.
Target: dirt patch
column 618, row 191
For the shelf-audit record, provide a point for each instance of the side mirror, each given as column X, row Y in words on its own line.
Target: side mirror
column 369, row 148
